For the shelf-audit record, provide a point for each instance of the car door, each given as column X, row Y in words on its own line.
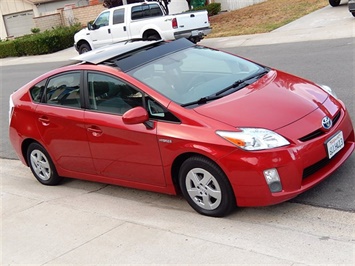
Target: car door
column 61, row 123
column 119, row 29
column 101, row 32
column 120, row 151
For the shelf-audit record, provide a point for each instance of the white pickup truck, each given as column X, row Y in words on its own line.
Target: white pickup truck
column 145, row 20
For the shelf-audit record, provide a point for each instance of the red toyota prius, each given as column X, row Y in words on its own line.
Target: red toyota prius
column 175, row 117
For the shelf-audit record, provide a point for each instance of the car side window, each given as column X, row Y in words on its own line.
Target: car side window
column 64, row 90
column 102, row 20
column 37, row 91
column 158, row 112
column 118, row 16
column 109, row 94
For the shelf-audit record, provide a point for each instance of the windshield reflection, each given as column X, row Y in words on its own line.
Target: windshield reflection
column 194, row 73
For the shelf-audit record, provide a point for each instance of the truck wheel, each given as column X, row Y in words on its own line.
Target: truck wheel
column 83, row 48
column 154, row 37
column 334, row 2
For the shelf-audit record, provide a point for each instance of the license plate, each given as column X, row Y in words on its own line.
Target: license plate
column 335, row 144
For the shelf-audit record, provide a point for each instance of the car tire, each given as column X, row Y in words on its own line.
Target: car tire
column 83, row 48
column 334, row 2
column 205, row 187
column 41, row 165
column 353, row 13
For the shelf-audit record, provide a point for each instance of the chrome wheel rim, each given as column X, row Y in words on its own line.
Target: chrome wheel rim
column 203, row 189
column 40, row 165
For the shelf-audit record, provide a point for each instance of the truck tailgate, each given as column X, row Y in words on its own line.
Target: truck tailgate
column 192, row 20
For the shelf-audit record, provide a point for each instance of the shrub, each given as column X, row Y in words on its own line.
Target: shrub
column 7, row 48
column 35, row 30
column 212, row 9
column 45, row 42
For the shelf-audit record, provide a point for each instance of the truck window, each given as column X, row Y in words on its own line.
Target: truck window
column 102, row 20
column 118, row 16
column 144, row 11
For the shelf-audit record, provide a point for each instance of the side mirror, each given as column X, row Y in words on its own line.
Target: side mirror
column 92, row 26
column 135, row 115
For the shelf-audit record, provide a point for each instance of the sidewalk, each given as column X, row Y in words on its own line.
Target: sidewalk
column 326, row 23
column 87, row 223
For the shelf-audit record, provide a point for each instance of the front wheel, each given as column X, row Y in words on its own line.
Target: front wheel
column 41, row 165
column 205, row 187
column 83, row 48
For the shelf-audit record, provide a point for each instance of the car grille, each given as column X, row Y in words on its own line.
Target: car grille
column 319, row 132
column 310, row 170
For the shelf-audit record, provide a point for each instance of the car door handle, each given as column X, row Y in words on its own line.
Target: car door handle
column 95, row 131
column 109, row 31
column 44, row 120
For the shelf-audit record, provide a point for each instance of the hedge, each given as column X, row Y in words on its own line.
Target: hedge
column 46, row 42
column 212, row 9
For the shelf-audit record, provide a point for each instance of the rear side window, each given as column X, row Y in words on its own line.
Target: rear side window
column 64, row 90
column 118, row 16
column 144, row 11
column 37, row 91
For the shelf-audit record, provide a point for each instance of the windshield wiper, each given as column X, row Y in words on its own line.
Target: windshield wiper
column 202, row 100
column 239, row 84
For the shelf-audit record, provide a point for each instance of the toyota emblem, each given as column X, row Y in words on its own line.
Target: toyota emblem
column 327, row 122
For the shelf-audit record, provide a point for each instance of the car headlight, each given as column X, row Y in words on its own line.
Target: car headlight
column 254, row 139
column 328, row 90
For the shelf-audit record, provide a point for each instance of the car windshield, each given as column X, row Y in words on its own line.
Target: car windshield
column 196, row 73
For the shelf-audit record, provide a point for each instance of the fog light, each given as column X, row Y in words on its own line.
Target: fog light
column 273, row 180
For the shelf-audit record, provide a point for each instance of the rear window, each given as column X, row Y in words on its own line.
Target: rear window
column 144, row 11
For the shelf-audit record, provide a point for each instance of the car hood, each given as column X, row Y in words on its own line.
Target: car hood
column 272, row 102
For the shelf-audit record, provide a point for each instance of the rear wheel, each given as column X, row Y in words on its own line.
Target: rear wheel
column 205, row 187
column 154, row 37
column 334, row 2
column 41, row 165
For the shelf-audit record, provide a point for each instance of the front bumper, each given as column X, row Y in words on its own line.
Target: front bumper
column 300, row 166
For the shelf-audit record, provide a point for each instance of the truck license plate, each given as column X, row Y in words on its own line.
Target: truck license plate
column 335, row 144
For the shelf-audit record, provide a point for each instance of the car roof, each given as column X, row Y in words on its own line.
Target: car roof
column 131, row 54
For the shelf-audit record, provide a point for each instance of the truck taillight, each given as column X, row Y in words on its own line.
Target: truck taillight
column 174, row 23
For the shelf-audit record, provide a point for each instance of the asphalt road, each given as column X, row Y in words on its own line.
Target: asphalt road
column 325, row 62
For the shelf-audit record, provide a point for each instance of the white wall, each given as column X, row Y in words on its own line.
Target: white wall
column 236, row 4
column 177, row 6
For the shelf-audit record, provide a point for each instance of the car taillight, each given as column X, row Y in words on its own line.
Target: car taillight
column 174, row 23
column 11, row 108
